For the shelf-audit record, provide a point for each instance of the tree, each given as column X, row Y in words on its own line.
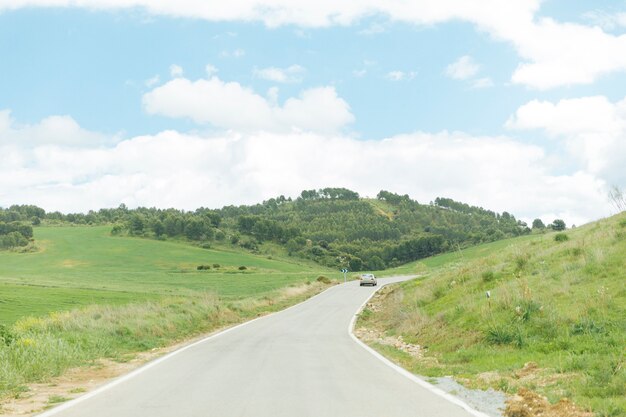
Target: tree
column 538, row 224
column 618, row 199
column 195, row 228
column 558, row 225
column 355, row 264
column 136, row 224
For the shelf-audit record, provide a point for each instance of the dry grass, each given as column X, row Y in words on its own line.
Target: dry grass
column 36, row 349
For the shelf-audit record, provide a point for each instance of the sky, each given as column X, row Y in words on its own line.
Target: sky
column 515, row 106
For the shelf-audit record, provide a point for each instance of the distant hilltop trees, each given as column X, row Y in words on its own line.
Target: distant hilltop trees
column 332, row 226
column 13, row 231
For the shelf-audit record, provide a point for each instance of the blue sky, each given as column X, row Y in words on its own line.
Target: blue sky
column 447, row 79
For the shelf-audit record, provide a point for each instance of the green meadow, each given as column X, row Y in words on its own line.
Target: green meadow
column 83, row 295
column 79, row 266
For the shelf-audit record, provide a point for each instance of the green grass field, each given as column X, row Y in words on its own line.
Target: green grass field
column 78, row 266
column 84, row 295
column 558, row 302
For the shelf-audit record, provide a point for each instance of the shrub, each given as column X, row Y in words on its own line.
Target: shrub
column 13, row 239
column 323, row 279
column 216, row 266
column 242, row 268
column 117, row 230
column 587, row 325
column 521, row 261
column 488, row 276
column 500, row 335
column 561, row 237
column 525, row 309
column 203, row 267
column 6, row 336
column 505, row 335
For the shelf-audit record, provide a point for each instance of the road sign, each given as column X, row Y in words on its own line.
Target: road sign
column 345, row 271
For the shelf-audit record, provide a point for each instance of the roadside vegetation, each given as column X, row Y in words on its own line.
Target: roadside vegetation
column 85, row 295
column 543, row 313
column 36, row 349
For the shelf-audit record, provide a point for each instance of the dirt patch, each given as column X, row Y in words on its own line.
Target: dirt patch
column 368, row 336
column 71, row 263
column 529, row 369
column 530, row 404
column 295, row 291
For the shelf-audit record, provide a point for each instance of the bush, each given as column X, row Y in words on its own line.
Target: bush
column 242, row 268
column 216, row 266
column 6, row 336
column 203, row 267
column 13, row 239
column 521, row 261
column 504, row 335
column 488, row 276
column 323, row 279
column 561, row 237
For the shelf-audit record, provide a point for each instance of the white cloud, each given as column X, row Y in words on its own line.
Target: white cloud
column 463, row 68
column 173, row 169
column 485, row 82
column 291, row 74
column 553, row 54
column 593, row 130
column 229, row 105
column 52, row 130
column 359, row 73
column 272, row 96
column 151, row 82
column 559, row 54
column 373, row 29
column 400, row 75
column 210, row 70
column 606, row 20
column 235, row 53
column 176, row 71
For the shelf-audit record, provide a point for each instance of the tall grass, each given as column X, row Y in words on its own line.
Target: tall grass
column 36, row 349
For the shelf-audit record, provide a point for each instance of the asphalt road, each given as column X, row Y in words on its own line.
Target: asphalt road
column 297, row 363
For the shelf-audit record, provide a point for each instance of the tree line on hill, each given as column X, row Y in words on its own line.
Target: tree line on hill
column 331, row 226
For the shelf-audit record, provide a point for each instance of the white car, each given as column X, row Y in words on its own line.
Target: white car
column 368, row 279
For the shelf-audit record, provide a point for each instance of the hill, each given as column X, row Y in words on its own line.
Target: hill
column 554, row 322
column 333, row 226
column 77, row 266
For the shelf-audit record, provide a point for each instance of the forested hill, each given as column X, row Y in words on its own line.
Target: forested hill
column 332, row 226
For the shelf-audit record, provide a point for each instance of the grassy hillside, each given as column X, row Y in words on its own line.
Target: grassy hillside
column 331, row 226
column 555, row 322
column 78, row 266
column 85, row 295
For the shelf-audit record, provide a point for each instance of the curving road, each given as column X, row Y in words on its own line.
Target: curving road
column 297, row 363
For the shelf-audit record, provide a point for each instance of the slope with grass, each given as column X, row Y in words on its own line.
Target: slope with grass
column 77, row 266
column 555, row 321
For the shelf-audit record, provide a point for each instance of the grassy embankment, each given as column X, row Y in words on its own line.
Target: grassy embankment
column 86, row 295
column 558, row 306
